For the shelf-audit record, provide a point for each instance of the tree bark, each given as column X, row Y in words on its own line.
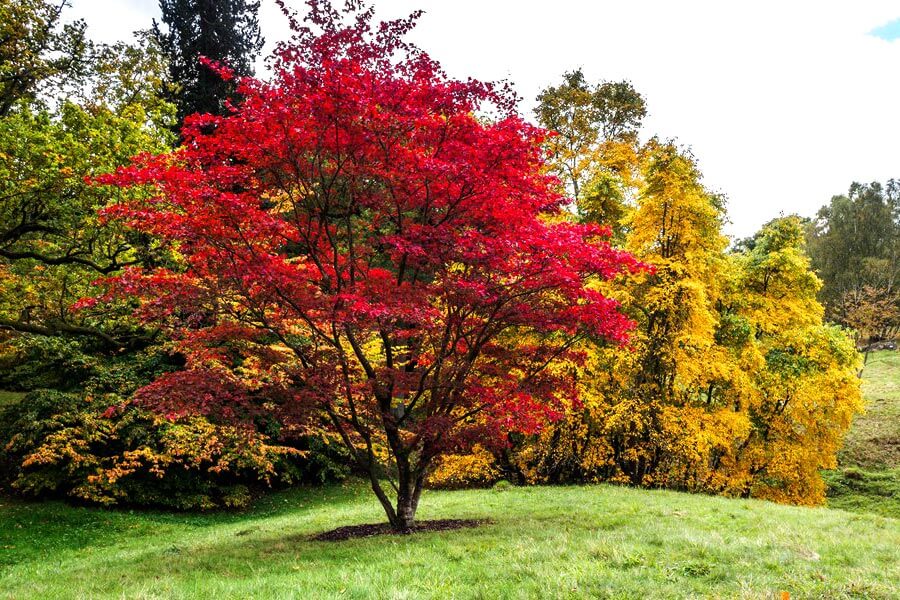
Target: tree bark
column 409, row 489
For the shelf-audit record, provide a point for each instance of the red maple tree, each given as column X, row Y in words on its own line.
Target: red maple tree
column 370, row 243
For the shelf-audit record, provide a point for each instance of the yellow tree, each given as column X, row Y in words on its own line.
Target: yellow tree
column 732, row 383
column 662, row 412
column 671, row 406
column 807, row 390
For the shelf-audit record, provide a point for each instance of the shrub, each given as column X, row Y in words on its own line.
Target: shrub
column 80, row 440
column 477, row 469
column 502, row 486
column 96, row 451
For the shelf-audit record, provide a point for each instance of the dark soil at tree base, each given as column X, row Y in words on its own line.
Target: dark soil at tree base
column 370, row 529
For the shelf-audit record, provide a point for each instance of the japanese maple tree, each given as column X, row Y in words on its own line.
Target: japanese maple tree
column 371, row 246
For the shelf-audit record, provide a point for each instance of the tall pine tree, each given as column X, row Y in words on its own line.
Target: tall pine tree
column 226, row 31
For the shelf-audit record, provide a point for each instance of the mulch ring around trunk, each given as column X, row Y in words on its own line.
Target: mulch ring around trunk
column 370, row 529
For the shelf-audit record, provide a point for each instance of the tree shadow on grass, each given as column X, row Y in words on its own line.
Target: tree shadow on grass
column 311, row 560
column 272, row 551
column 50, row 529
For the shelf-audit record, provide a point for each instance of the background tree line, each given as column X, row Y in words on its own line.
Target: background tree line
column 854, row 242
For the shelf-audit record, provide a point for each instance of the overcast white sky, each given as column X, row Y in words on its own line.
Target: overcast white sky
column 784, row 103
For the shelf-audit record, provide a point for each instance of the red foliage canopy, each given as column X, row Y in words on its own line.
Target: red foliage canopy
column 379, row 241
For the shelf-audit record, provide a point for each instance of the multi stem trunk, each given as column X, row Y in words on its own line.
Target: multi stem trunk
column 411, row 473
column 407, row 501
column 411, row 462
column 410, row 483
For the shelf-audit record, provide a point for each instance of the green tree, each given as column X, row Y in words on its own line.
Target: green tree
column 854, row 242
column 594, row 149
column 38, row 52
column 81, row 365
column 226, row 31
column 52, row 244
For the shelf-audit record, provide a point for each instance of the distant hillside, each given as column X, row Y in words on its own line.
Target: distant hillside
column 868, row 478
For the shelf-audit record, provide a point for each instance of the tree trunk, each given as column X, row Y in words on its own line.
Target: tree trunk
column 406, row 513
column 410, row 483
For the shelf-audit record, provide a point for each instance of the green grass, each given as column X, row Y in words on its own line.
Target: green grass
column 865, row 491
column 549, row 542
column 8, row 398
column 868, row 477
column 874, row 440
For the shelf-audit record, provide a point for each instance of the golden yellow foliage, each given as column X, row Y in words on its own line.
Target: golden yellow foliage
column 732, row 384
column 461, row 470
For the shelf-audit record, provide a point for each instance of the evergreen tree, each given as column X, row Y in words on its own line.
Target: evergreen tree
column 226, row 31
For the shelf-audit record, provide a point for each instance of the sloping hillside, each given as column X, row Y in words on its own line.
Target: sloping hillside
column 868, row 478
column 597, row 541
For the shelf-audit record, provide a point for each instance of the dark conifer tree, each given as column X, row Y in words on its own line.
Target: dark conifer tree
column 226, row 31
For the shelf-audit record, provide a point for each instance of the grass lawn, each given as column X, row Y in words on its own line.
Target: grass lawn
column 868, row 477
column 7, row 398
column 593, row 542
column 874, row 440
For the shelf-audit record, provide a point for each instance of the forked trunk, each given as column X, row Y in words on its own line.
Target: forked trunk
column 402, row 516
column 410, row 489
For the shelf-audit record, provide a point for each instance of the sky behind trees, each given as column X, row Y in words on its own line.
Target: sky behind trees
column 784, row 104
